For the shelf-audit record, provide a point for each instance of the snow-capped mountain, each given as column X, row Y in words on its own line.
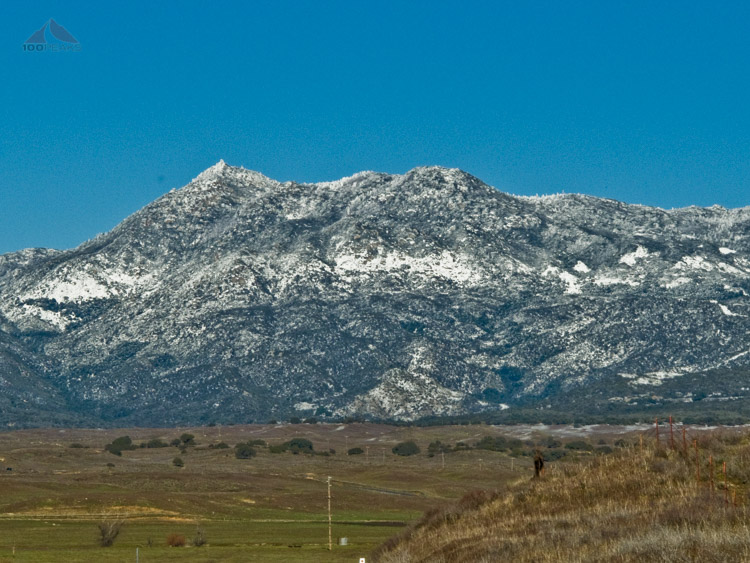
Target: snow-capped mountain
column 238, row 297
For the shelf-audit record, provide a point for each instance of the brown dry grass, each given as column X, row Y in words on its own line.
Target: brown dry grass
column 629, row 506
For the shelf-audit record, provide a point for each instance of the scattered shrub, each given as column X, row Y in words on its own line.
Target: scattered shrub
column 175, row 442
column 437, row 447
column 257, row 442
column 176, row 540
column 299, row 445
column 243, row 451
column 108, row 531
column 77, row 445
column 295, row 420
column 177, row 462
column 492, row 443
column 118, row 445
column 554, row 455
column 187, row 439
column 579, row 445
column 355, row 451
column 221, row 446
column 406, row 449
column 156, row 443
column 200, row 536
column 550, row 442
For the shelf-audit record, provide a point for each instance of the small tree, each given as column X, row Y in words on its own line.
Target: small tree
column 187, row 439
column 406, row 448
column 243, row 451
column 118, row 445
column 177, row 462
column 108, row 531
column 200, row 536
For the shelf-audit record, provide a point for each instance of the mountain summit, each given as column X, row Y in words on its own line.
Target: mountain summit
column 238, row 297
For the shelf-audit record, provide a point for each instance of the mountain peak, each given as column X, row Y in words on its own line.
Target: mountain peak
column 214, row 171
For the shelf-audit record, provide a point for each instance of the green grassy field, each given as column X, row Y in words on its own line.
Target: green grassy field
column 272, row 507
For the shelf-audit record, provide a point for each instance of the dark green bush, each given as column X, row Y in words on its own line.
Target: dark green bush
column 493, row 443
column 579, row 445
column 243, row 451
column 156, row 443
column 355, row 451
column 406, row 449
column 437, row 447
column 299, row 445
column 119, row 445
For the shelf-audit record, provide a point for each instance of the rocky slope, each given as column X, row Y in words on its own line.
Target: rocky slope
column 393, row 296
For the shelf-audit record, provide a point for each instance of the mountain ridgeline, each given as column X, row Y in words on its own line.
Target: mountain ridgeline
column 384, row 296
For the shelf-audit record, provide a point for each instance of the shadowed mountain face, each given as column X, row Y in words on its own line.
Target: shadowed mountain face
column 238, row 297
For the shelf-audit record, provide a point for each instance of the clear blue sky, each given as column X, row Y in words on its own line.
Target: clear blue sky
column 645, row 102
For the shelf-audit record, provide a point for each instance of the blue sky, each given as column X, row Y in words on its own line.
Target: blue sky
column 645, row 102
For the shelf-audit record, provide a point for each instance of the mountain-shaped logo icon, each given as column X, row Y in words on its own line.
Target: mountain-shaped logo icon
column 52, row 37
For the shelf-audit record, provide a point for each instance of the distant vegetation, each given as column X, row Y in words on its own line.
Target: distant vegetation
column 176, row 540
column 118, row 445
column 244, row 451
column 108, row 531
column 406, row 449
column 295, row 445
column 155, row 443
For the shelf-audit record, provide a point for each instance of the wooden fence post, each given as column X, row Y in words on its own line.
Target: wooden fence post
column 671, row 434
column 656, row 425
column 726, row 485
column 697, row 464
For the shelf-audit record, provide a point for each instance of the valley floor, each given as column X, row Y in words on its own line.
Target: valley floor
column 272, row 507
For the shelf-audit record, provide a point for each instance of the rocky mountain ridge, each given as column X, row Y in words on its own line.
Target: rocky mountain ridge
column 239, row 297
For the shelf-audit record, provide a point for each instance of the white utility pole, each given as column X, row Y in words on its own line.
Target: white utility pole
column 330, row 537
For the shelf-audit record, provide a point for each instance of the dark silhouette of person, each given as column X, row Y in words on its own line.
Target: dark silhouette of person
column 538, row 464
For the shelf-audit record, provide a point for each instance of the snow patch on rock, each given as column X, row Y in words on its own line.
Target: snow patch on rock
column 631, row 257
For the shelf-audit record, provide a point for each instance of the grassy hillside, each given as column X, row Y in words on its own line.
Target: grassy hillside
column 639, row 503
